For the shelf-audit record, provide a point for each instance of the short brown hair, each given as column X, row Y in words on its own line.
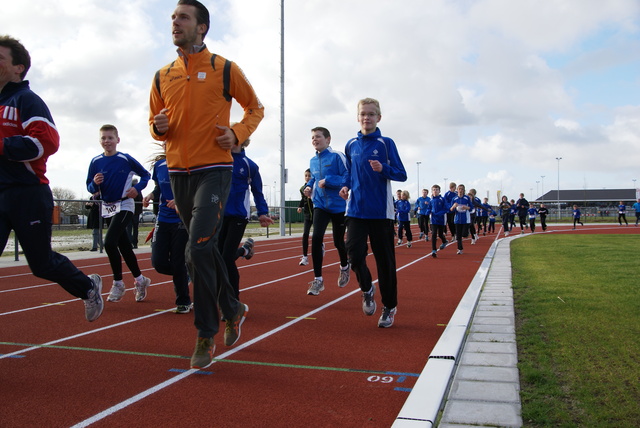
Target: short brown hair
column 109, row 127
column 324, row 131
column 19, row 54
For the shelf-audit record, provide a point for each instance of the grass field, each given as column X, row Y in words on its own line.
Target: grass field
column 577, row 301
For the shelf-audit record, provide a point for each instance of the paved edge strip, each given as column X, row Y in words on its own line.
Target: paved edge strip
column 460, row 374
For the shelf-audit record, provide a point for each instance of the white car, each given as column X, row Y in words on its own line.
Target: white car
column 147, row 217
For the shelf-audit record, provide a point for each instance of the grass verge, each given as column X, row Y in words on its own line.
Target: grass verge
column 577, row 301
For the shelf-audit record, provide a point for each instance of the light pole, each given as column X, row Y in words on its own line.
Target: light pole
column 418, row 165
column 542, row 176
column 558, row 159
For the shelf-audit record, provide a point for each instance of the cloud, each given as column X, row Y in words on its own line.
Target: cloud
column 488, row 92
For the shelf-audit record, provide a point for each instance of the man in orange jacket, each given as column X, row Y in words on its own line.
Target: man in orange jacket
column 190, row 105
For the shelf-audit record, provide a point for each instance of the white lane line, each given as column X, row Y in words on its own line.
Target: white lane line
column 86, row 333
column 144, row 394
column 51, row 305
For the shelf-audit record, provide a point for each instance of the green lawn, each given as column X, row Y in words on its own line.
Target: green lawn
column 577, row 302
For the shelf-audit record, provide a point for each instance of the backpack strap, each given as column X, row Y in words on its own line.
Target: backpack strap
column 226, row 76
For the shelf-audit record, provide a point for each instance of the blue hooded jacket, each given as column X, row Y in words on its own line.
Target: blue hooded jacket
column 371, row 196
column 330, row 166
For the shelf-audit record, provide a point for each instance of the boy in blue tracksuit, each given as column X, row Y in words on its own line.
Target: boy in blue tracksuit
column 422, row 211
column 533, row 213
column 448, row 197
column 373, row 161
column 403, row 209
column 245, row 180
column 170, row 236
column 111, row 174
column 461, row 207
column 328, row 175
column 576, row 216
column 439, row 210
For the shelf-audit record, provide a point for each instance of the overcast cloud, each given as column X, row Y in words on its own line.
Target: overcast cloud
column 487, row 93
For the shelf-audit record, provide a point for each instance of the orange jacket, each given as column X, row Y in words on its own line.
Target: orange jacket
column 193, row 92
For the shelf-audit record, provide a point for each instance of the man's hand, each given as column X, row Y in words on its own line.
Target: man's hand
column 161, row 121
column 228, row 139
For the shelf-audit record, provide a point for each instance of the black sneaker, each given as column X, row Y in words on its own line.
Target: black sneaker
column 248, row 248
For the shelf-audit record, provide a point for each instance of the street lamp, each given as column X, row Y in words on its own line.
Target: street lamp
column 558, row 159
column 418, row 165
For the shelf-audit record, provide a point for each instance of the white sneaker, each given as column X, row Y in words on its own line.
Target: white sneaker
column 387, row 317
column 345, row 274
column 304, row 261
column 141, row 288
column 93, row 304
column 317, row 285
column 117, row 291
column 399, row 241
column 368, row 302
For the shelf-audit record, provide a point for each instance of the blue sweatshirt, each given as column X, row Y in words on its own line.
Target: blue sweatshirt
column 161, row 177
column 246, row 180
column 118, row 171
column 330, row 166
column 439, row 209
column 371, row 196
column 462, row 217
column 404, row 208
column 423, row 207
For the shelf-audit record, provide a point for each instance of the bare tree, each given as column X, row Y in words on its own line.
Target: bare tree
column 62, row 197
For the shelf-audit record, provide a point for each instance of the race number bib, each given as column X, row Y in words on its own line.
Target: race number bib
column 110, row 209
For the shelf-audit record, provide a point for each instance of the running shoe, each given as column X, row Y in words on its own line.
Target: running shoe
column 248, row 248
column 421, row 235
column 315, row 287
column 408, row 244
column 117, row 291
column 203, row 354
column 368, row 302
column 386, row 319
column 184, row 309
column 345, row 274
column 232, row 330
column 459, row 252
column 304, row 261
column 399, row 241
column 93, row 304
column 443, row 246
column 434, row 254
column 141, row 288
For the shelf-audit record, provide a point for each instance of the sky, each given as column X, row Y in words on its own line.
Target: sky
column 488, row 93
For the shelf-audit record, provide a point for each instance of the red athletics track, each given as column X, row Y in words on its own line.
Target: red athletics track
column 302, row 360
